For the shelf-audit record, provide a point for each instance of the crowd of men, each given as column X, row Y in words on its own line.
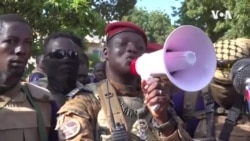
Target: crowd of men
column 60, row 102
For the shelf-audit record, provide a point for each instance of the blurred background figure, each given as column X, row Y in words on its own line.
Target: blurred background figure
column 99, row 71
column 38, row 72
column 83, row 76
column 153, row 47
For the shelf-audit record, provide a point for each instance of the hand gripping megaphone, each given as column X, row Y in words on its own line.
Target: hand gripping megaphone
column 188, row 59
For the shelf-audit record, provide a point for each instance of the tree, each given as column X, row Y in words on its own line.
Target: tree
column 113, row 9
column 199, row 13
column 156, row 24
column 93, row 59
column 54, row 15
column 82, row 17
column 239, row 25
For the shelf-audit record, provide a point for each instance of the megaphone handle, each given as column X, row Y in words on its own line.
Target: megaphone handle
column 155, row 107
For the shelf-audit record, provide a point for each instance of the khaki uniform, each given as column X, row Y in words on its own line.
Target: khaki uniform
column 86, row 117
column 222, row 91
column 19, row 120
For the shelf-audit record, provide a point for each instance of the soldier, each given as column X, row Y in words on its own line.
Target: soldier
column 220, row 120
column 61, row 63
column 25, row 108
column 99, row 71
column 83, row 70
column 38, row 72
column 90, row 116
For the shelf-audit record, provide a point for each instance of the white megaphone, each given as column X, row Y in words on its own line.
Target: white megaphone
column 188, row 59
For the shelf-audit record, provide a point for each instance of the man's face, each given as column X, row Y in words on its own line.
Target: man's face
column 61, row 64
column 15, row 50
column 63, row 44
column 61, row 51
column 122, row 49
column 99, row 72
column 83, row 73
column 83, row 69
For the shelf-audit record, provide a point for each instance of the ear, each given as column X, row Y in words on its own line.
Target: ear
column 105, row 52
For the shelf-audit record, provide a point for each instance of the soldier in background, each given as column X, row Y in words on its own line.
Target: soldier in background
column 88, row 115
column 61, row 64
column 38, row 72
column 83, row 70
column 26, row 111
column 207, row 111
column 99, row 71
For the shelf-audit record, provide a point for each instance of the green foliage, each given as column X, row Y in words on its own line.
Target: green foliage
column 28, row 70
column 199, row 13
column 47, row 16
column 156, row 24
column 113, row 9
column 240, row 25
column 93, row 59
column 82, row 17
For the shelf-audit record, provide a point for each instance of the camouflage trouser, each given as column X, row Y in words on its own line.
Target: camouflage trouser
column 241, row 132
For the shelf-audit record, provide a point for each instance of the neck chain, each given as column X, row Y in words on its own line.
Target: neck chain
column 139, row 113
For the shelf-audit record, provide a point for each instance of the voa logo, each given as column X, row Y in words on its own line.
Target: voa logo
column 221, row 14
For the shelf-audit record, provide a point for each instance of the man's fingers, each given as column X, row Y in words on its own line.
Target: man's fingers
column 162, row 100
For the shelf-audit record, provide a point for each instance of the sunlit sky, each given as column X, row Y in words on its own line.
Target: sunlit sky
column 163, row 5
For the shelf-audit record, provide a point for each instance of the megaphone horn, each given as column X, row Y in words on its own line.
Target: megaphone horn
column 188, row 59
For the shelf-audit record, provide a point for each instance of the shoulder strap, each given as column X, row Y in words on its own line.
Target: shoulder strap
column 209, row 107
column 105, row 89
column 40, row 121
column 231, row 120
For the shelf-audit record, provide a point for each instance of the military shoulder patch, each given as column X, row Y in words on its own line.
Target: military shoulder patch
column 69, row 129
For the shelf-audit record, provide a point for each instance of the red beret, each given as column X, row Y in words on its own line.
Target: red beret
column 151, row 47
column 118, row 27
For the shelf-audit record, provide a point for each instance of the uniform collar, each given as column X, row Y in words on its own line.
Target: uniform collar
column 11, row 93
column 121, row 89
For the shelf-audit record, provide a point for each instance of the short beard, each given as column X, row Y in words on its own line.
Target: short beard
column 4, row 77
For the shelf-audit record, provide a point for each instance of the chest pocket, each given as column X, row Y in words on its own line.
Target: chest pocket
column 19, row 120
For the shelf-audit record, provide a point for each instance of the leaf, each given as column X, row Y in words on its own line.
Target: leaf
column 156, row 23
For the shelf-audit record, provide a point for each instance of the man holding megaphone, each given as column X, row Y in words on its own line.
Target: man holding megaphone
column 116, row 109
column 188, row 59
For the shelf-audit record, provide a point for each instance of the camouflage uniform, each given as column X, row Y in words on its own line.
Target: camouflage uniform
column 25, row 109
column 222, row 91
column 86, row 117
